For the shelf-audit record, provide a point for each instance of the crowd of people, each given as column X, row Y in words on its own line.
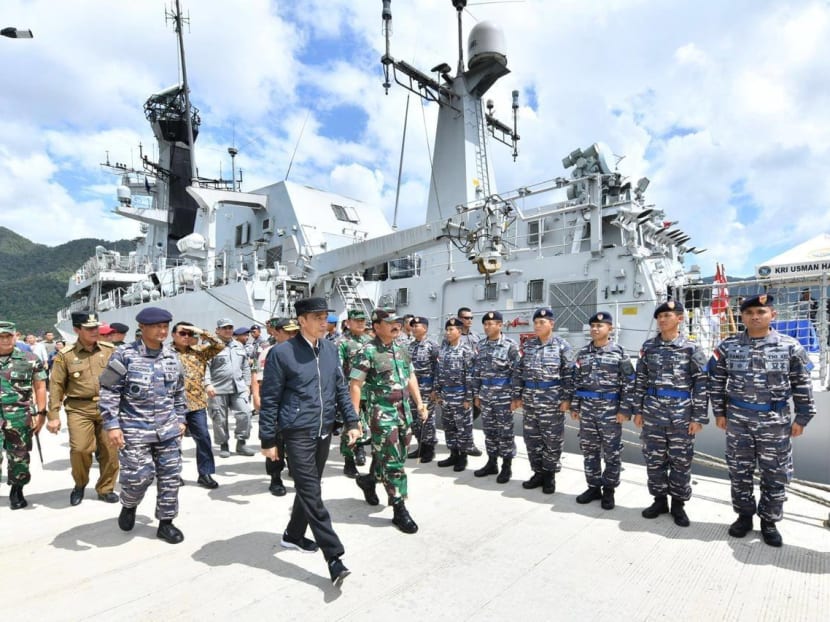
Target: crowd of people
column 380, row 383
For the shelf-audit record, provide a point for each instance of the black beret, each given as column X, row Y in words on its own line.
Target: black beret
column 492, row 315
column 454, row 321
column 602, row 317
column 419, row 319
column 544, row 313
column 761, row 300
column 153, row 315
column 311, row 305
column 670, row 305
column 118, row 327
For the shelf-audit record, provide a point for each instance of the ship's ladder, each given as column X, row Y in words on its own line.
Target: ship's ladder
column 482, row 167
column 347, row 288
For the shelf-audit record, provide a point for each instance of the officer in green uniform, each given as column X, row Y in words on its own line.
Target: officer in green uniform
column 348, row 345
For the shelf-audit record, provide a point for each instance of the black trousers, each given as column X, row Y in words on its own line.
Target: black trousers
column 307, row 456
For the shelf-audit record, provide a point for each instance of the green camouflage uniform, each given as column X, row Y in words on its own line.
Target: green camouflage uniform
column 385, row 371
column 18, row 373
column 348, row 346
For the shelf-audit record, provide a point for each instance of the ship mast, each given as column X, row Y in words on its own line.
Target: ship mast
column 178, row 20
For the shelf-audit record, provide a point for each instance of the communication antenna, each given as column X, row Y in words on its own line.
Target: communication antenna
column 176, row 17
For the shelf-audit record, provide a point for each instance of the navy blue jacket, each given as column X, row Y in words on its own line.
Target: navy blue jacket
column 302, row 390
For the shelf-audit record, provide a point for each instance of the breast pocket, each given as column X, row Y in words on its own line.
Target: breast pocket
column 139, row 385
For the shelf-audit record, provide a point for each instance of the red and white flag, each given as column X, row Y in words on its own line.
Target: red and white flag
column 720, row 292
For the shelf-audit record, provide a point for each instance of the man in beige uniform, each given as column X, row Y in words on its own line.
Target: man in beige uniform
column 74, row 382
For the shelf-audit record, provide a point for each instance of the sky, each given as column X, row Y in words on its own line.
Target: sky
column 723, row 105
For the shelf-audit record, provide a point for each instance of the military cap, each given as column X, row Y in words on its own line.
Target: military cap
column 385, row 315
column 85, row 319
column 332, row 318
column 153, row 315
column 224, row 322
column 546, row 313
column 601, row 317
column 419, row 319
column 289, row 325
column 761, row 300
column 454, row 321
column 105, row 329
column 242, row 330
column 492, row 315
column 7, row 328
column 256, row 327
column 311, row 305
column 118, row 327
column 357, row 314
column 674, row 306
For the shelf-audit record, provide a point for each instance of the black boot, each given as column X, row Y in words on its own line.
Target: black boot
column 359, row 455
column 367, row 485
column 450, row 460
column 607, row 502
column 491, row 468
column 742, row 526
column 168, row 532
column 548, row 482
column 402, row 520
column 16, row 498
column 770, row 533
column 415, row 453
column 534, row 482
column 427, row 453
column 461, row 463
column 126, row 520
column 680, row 517
column 506, row 471
column 277, row 488
column 349, row 467
column 592, row 494
column 660, row 506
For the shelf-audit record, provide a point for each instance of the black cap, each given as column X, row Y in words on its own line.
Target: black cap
column 85, row 319
column 118, row 327
column 761, row 300
column 454, row 321
column 385, row 315
column 153, row 315
column 492, row 315
column 311, row 305
column 419, row 319
column 670, row 305
column 601, row 317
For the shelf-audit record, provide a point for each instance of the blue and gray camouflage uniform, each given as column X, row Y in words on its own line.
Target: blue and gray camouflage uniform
column 424, row 356
column 602, row 378
column 542, row 380
column 751, row 383
column 452, row 383
column 670, row 392
column 491, row 381
column 142, row 393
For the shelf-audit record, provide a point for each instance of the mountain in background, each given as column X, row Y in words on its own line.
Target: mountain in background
column 34, row 277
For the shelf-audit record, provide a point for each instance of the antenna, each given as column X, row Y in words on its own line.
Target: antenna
column 459, row 7
column 178, row 20
column 297, row 146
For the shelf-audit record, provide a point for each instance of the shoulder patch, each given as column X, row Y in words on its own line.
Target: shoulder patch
column 67, row 349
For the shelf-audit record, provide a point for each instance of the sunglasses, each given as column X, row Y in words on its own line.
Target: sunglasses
column 466, row 317
column 184, row 333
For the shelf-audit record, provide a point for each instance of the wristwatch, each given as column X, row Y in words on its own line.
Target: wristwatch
column 41, row 413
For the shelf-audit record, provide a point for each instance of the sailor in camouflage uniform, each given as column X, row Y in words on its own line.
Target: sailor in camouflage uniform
column 542, row 387
column 22, row 394
column 382, row 371
column 669, row 402
column 603, row 374
column 453, row 389
column 348, row 346
column 423, row 352
column 492, row 372
column 144, row 409
column 753, row 376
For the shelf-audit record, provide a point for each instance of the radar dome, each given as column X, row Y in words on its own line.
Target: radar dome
column 486, row 43
column 124, row 195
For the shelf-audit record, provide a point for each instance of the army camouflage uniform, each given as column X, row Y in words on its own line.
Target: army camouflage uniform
column 542, row 380
column 602, row 378
column 18, row 373
column 453, row 385
column 347, row 347
column 142, row 393
column 385, row 371
column 751, row 383
column 491, row 379
column 424, row 355
column 670, row 392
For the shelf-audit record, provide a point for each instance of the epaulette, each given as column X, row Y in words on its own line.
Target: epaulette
column 106, row 344
column 67, row 349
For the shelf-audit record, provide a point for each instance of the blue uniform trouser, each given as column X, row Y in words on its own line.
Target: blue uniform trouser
column 458, row 425
column 668, row 451
column 544, row 434
column 748, row 443
column 141, row 463
column 600, row 438
column 497, row 421
column 198, row 429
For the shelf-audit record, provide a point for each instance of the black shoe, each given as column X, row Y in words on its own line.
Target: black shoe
column 76, row 496
column 126, row 520
column 109, row 497
column 461, row 463
column 742, row 526
column 475, row 452
column 427, row 453
column 770, row 533
column 277, row 488
column 168, row 532
column 243, row 450
column 680, row 517
column 415, row 453
column 506, row 471
column 304, row 545
column 660, row 506
column 607, row 502
column 367, row 485
column 449, row 460
column 16, row 499
column 359, row 455
column 181, row 481
column 402, row 520
column 206, row 481
column 337, row 571
column 592, row 494
column 534, row 482
column 548, row 482
column 491, row 468
column 224, row 451
column 349, row 467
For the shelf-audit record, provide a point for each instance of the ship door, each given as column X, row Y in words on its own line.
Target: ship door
column 573, row 303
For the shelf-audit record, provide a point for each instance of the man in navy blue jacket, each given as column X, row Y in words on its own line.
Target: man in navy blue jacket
column 302, row 387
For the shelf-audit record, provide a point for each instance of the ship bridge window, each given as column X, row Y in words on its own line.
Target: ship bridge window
column 243, row 234
column 533, row 229
column 345, row 213
column 405, row 267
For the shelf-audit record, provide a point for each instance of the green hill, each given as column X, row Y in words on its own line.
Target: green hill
column 33, row 277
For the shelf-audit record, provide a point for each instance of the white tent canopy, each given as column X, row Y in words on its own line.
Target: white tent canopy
column 810, row 258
